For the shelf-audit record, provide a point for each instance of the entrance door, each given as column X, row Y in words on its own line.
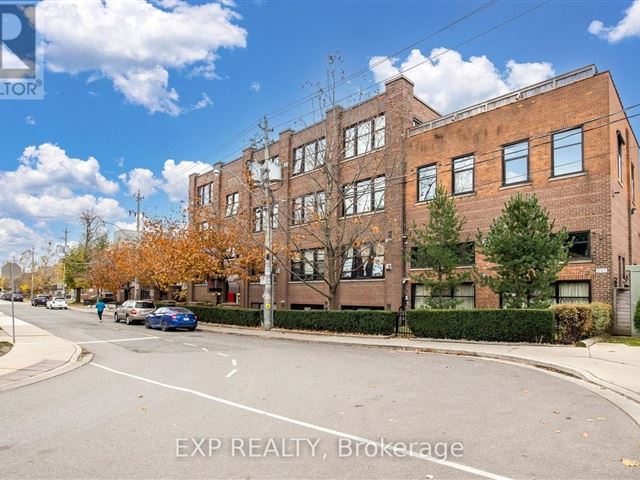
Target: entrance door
column 622, row 320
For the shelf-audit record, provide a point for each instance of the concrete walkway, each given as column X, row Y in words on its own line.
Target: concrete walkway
column 36, row 355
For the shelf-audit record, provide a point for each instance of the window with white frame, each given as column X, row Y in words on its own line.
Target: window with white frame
column 233, row 203
column 567, row 152
column 308, row 208
column 463, row 172
column 365, row 136
column 364, row 262
column 308, row 265
column 427, row 182
column 204, row 194
column 260, row 214
column 364, row 196
column 309, row 156
column 464, row 294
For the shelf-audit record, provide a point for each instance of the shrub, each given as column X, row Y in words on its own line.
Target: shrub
column 636, row 317
column 246, row 317
column 601, row 316
column 505, row 325
column 374, row 322
column 573, row 320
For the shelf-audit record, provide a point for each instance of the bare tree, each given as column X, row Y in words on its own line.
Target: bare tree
column 94, row 235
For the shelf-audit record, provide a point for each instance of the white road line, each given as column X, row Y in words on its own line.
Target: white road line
column 117, row 340
column 231, row 373
column 222, row 354
column 234, row 363
column 190, row 345
column 336, row 433
column 204, row 349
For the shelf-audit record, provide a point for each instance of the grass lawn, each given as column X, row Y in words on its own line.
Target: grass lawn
column 631, row 341
column 4, row 348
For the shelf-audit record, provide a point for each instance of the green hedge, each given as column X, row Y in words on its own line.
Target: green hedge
column 505, row 325
column 373, row 322
column 246, row 317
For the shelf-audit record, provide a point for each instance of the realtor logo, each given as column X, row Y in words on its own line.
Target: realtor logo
column 20, row 65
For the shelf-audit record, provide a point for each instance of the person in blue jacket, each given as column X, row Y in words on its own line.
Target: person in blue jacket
column 100, row 306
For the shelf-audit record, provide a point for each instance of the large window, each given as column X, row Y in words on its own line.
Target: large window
column 364, row 262
column 260, row 215
column 515, row 168
column 308, row 265
column 427, row 182
column 567, row 152
column 573, row 292
column 464, row 294
column 463, row 175
column 581, row 246
column 233, row 202
column 204, row 194
column 309, row 156
column 364, row 136
column 308, row 208
column 364, row 196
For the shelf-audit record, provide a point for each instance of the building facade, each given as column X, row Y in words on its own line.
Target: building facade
column 371, row 170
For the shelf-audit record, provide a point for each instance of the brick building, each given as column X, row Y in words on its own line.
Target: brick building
column 566, row 139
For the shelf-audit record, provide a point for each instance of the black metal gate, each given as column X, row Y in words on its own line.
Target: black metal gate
column 402, row 329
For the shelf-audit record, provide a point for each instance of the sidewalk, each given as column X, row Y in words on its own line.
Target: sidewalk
column 610, row 365
column 35, row 356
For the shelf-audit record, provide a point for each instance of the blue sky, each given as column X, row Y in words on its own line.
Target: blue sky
column 167, row 80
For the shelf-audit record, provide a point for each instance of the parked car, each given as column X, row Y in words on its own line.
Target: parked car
column 167, row 318
column 134, row 311
column 39, row 300
column 57, row 303
column 17, row 297
column 5, row 296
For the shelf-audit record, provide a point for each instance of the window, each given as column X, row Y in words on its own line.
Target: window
column 308, row 265
column 364, row 136
column 364, row 196
column 467, row 256
column 308, row 208
column 366, row 261
column 465, row 294
column 259, row 217
column 309, row 156
column 204, row 194
column 416, row 122
column 620, row 151
column 567, row 152
column 426, row 182
column 573, row 292
column 257, row 222
column 515, row 167
column 232, row 204
column 581, row 248
column 463, row 175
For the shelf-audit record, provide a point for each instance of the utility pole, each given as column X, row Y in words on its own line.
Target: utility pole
column 13, row 313
column 267, row 296
column 33, row 267
column 64, row 264
column 139, row 198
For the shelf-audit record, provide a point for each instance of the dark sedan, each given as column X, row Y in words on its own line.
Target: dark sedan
column 39, row 301
column 167, row 318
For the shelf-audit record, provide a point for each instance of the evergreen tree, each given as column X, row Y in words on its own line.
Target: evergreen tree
column 525, row 252
column 437, row 247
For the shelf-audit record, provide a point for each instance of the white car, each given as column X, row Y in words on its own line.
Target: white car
column 57, row 302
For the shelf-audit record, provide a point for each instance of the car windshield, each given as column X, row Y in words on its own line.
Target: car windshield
column 180, row 310
column 145, row 305
column 60, row 299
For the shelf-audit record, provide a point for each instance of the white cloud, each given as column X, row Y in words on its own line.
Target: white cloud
column 142, row 180
column 255, row 86
column 30, row 120
column 176, row 177
column 204, row 102
column 49, row 185
column 449, row 82
column 16, row 237
column 628, row 27
column 136, row 43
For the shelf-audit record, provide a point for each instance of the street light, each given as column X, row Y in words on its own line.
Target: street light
column 266, row 174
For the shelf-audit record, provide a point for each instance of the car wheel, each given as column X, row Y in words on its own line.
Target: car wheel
column 164, row 326
column 147, row 324
column 127, row 320
column 116, row 318
column 191, row 329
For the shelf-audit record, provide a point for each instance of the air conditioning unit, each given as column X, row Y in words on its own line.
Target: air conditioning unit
column 387, row 267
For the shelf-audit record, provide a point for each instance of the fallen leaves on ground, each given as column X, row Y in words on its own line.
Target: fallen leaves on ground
column 627, row 462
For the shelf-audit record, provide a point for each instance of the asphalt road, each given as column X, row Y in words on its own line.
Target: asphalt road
column 157, row 404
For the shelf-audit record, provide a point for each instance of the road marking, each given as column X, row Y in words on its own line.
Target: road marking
column 336, row 433
column 190, row 345
column 167, row 340
column 222, row 354
column 231, row 373
column 204, row 349
column 234, row 363
column 117, row 340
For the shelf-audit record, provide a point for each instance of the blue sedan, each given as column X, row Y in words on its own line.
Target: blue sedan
column 167, row 318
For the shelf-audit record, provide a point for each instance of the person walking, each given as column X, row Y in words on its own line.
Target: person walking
column 100, row 306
